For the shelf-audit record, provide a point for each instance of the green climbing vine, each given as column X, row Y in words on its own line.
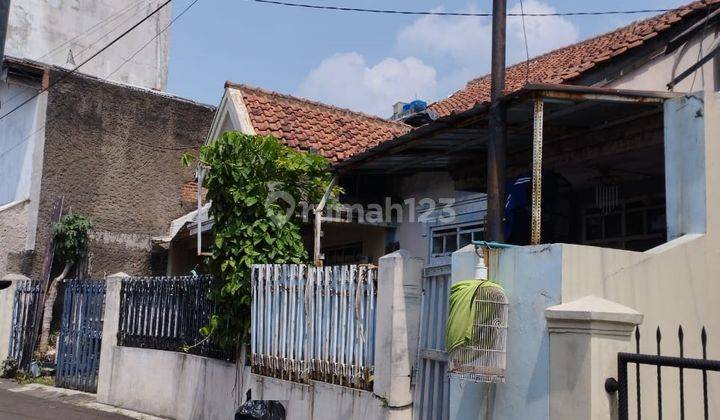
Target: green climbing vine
column 256, row 185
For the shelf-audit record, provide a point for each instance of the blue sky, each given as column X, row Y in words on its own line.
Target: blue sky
column 362, row 61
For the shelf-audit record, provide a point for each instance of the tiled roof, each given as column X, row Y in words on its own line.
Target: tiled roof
column 332, row 132
column 565, row 64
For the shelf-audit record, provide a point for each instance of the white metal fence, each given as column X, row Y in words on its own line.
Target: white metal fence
column 314, row 323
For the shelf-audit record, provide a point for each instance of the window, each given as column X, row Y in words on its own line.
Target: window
column 446, row 240
column 345, row 254
column 636, row 225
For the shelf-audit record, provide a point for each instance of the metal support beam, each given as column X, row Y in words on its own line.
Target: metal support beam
column 537, row 157
column 317, row 234
column 497, row 127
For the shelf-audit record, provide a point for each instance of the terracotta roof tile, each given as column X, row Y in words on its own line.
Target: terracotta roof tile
column 333, row 132
column 565, row 64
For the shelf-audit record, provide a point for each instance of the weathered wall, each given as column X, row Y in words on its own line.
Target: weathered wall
column 13, row 235
column 47, row 30
column 113, row 153
column 319, row 400
column 171, row 384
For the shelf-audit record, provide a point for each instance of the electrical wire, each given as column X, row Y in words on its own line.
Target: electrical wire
column 75, row 69
column 88, row 31
column 527, row 50
column 150, row 146
column 160, row 32
column 111, row 31
column 470, row 14
column 91, row 29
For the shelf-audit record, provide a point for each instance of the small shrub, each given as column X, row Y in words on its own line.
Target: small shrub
column 9, row 368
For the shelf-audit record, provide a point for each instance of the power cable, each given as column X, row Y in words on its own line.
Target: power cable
column 88, row 31
column 65, row 75
column 91, row 29
column 160, row 32
column 527, row 50
column 106, row 34
column 151, row 146
column 470, row 14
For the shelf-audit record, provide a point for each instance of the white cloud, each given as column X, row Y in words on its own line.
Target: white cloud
column 346, row 80
column 459, row 47
column 464, row 43
column 544, row 33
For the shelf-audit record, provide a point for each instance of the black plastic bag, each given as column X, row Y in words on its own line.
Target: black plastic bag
column 260, row 410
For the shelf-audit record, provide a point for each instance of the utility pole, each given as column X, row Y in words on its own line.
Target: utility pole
column 496, row 128
column 4, row 18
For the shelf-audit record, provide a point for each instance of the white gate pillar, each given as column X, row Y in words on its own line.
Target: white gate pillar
column 111, row 322
column 585, row 338
column 396, row 336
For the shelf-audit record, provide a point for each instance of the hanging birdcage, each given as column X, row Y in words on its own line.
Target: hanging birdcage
column 483, row 357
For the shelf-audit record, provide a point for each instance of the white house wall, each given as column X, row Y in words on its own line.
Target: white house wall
column 20, row 134
column 414, row 236
column 39, row 27
column 655, row 74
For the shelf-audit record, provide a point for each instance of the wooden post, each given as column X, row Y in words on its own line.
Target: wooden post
column 496, row 127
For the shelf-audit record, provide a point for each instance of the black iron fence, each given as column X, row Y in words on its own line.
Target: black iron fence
column 25, row 303
column 679, row 363
column 167, row 313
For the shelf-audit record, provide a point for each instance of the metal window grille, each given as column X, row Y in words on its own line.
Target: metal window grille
column 483, row 358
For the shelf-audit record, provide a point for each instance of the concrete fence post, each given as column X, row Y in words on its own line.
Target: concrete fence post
column 396, row 337
column 585, row 338
column 111, row 322
column 7, row 302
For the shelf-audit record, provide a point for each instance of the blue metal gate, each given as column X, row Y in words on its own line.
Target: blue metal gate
column 78, row 357
column 432, row 386
column 23, row 320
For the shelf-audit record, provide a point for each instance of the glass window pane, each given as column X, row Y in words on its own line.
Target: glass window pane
column 451, row 243
column 477, row 235
column 465, row 239
column 437, row 244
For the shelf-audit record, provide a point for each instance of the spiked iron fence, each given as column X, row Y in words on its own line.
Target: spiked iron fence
column 314, row 323
column 23, row 320
column 167, row 313
column 681, row 364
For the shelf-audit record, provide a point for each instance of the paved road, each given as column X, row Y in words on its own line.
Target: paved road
column 20, row 406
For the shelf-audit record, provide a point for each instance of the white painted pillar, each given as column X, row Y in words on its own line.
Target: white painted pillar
column 468, row 400
column 111, row 322
column 585, row 338
column 396, row 336
column 7, row 301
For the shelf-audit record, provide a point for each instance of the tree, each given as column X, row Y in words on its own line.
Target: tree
column 71, row 247
column 255, row 185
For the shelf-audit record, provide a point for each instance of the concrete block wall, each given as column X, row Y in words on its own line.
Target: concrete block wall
column 183, row 386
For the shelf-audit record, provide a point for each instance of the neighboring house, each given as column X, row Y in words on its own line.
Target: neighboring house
column 332, row 132
column 67, row 32
column 112, row 151
column 603, row 145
